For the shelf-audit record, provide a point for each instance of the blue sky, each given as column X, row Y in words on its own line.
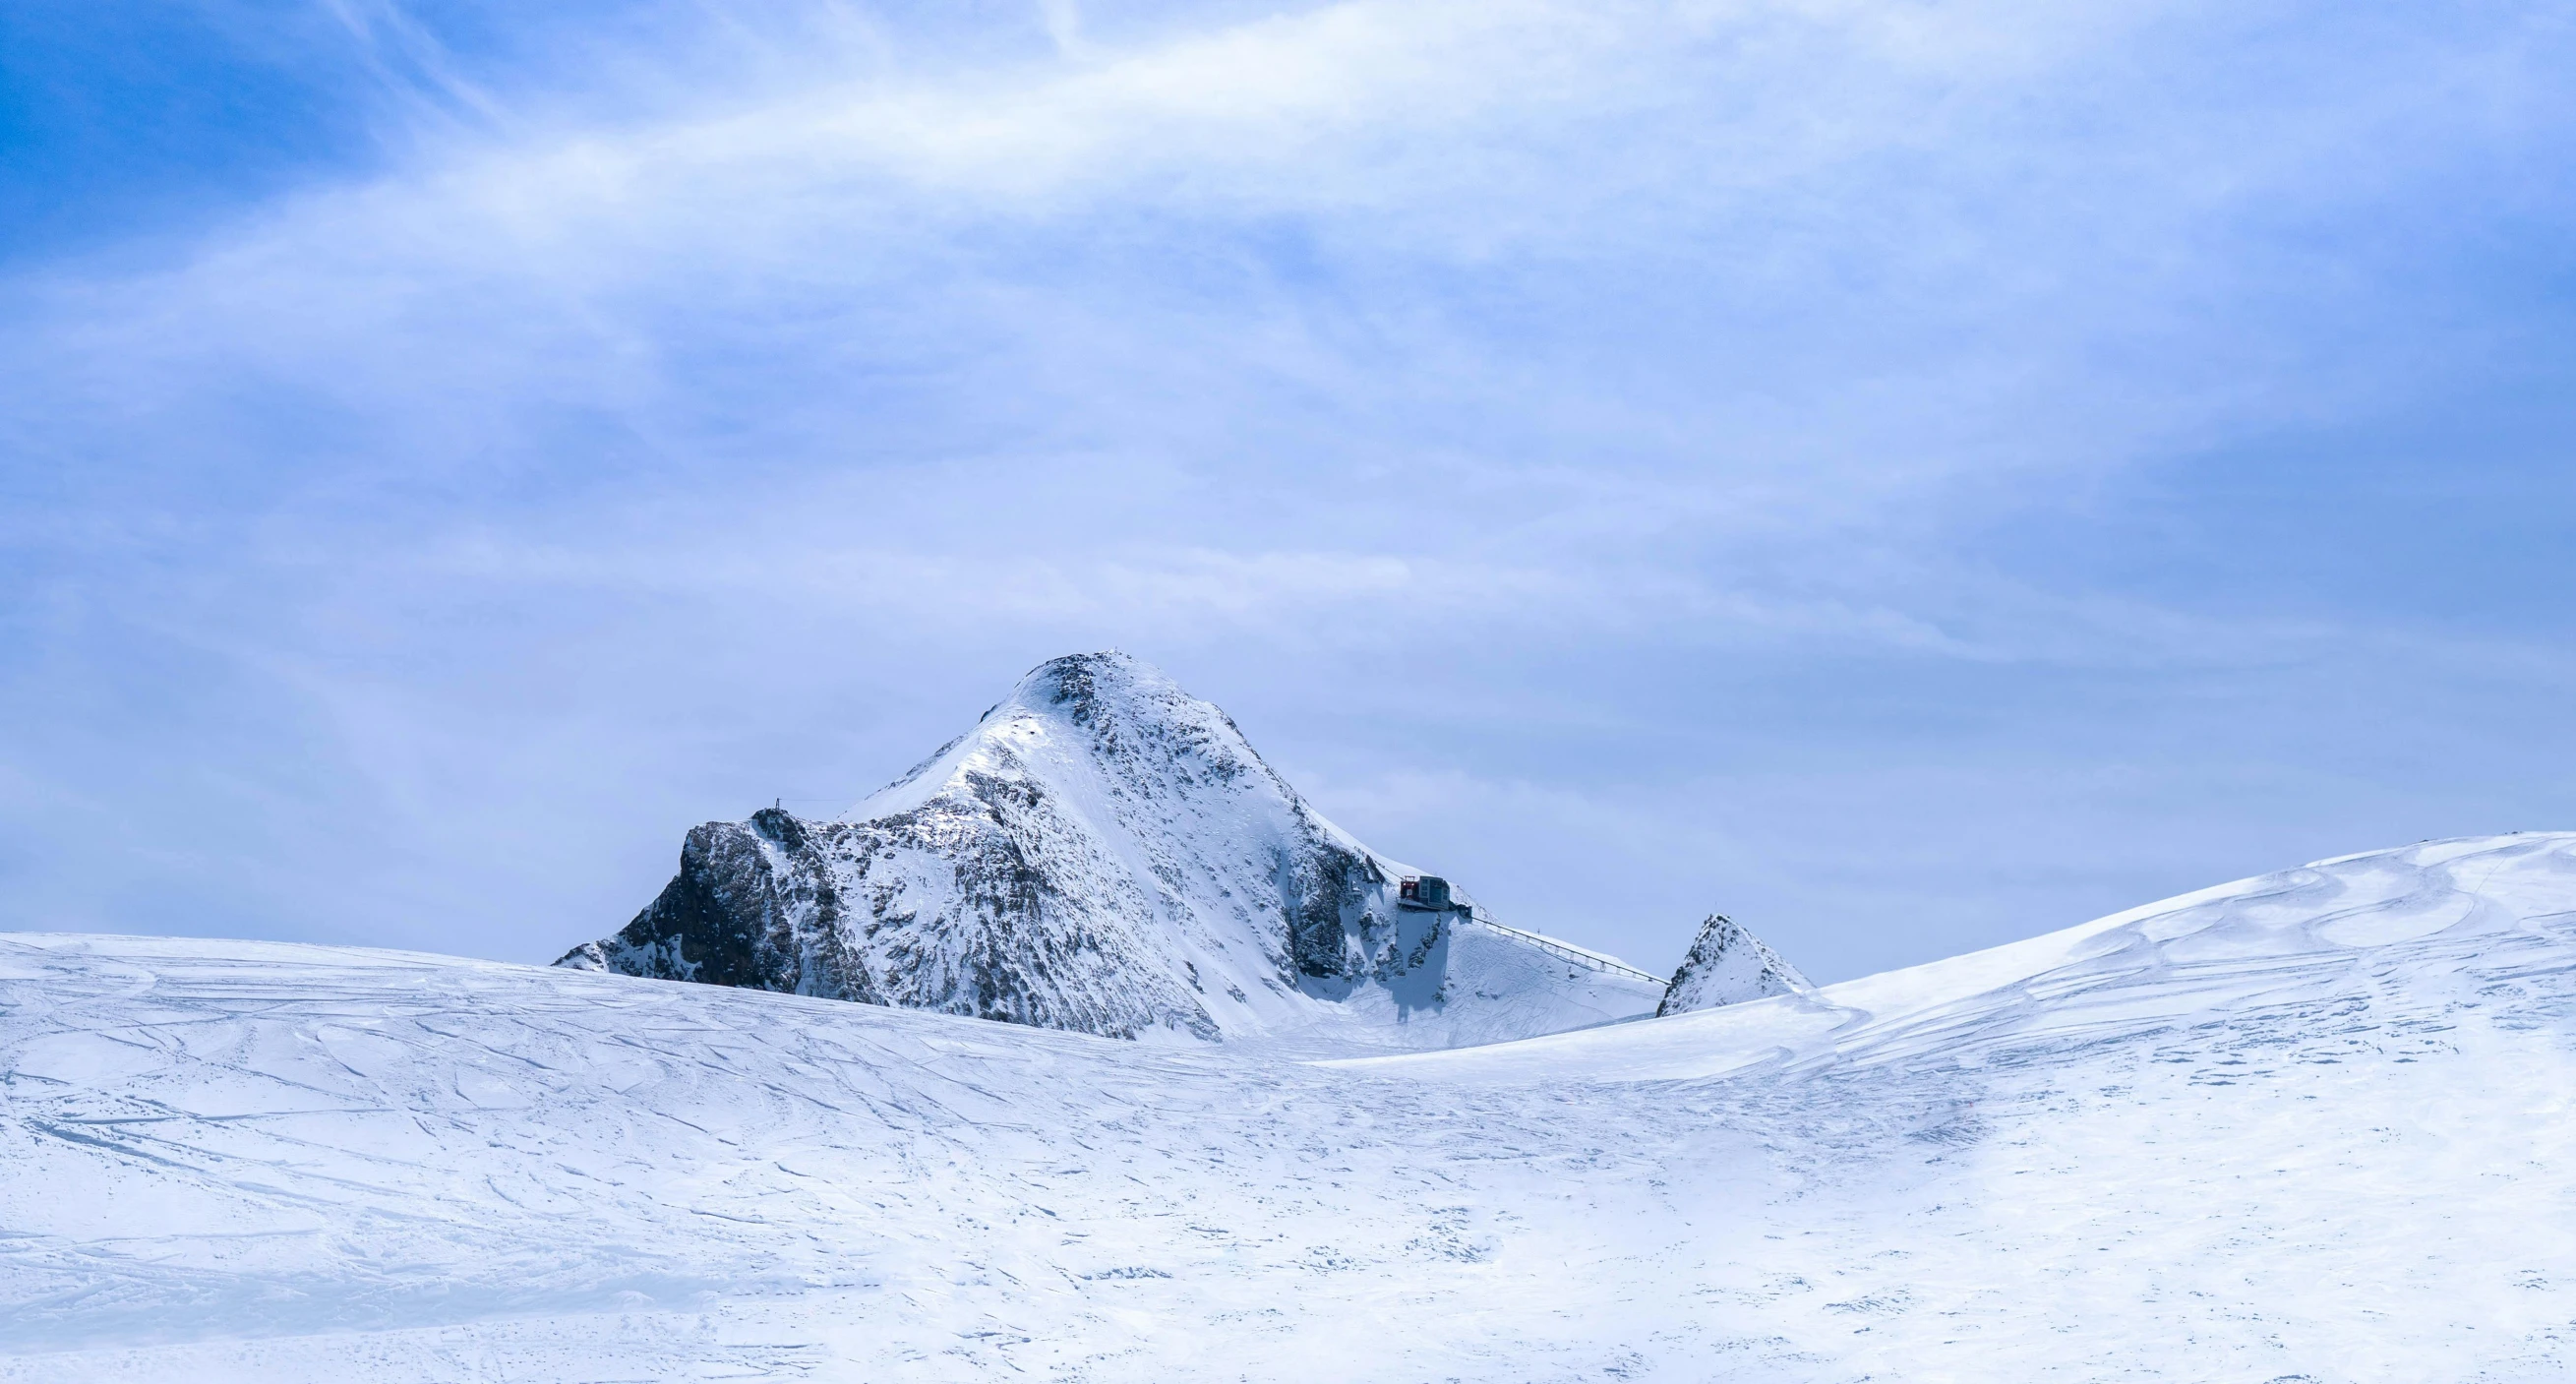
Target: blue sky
column 1910, row 475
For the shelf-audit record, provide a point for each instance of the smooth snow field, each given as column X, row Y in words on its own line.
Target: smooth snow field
column 2313, row 1126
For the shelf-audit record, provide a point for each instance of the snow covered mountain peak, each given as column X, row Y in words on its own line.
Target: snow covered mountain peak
column 1727, row 964
column 1103, row 710
column 1106, row 853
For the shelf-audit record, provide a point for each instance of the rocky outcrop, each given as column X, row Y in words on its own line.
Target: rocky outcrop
column 1103, row 852
column 1727, row 964
column 753, row 905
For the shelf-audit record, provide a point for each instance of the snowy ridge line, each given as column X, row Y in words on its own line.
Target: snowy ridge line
column 1595, row 960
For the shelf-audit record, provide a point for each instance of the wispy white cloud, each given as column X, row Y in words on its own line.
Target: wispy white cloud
column 840, row 363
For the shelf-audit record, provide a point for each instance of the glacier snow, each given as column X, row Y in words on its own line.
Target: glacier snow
column 2312, row 1126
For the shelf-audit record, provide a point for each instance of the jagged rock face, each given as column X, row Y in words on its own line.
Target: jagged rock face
column 1727, row 964
column 1102, row 852
column 741, row 912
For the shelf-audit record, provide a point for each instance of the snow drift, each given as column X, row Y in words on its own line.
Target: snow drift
column 1105, row 853
column 2313, row 1125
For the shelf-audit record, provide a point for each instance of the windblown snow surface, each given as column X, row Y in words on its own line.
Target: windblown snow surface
column 2313, row 1126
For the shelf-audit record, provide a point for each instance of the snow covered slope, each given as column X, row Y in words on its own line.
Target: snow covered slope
column 1103, row 852
column 2314, row 1126
column 1727, row 964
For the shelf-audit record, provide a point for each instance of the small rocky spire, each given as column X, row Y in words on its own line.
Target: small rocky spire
column 1728, row 965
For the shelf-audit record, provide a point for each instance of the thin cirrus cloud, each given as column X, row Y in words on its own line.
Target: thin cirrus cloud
column 1759, row 444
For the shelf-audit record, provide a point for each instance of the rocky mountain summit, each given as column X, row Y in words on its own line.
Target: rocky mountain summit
column 1105, row 853
column 1727, row 964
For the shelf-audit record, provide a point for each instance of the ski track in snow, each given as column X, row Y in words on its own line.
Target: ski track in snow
column 2309, row 1127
